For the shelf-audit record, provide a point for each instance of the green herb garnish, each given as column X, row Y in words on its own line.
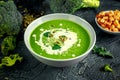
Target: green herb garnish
column 47, row 34
column 102, row 51
column 55, row 47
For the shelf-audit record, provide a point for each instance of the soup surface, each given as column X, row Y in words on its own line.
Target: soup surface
column 59, row 39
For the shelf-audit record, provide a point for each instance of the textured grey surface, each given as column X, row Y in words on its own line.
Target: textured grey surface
column 88, row 69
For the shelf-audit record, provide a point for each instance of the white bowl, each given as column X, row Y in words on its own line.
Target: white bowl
column 60, row 62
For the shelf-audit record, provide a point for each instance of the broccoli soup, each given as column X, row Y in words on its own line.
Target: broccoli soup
column 59, row 39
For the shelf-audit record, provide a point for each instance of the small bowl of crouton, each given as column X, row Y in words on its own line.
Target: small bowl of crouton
column 109, row 21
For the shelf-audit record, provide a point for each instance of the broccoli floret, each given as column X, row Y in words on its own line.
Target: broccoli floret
column 108, row 68
column 10, row 18
column 70, row 6
column 8, row 44
column 10, row 60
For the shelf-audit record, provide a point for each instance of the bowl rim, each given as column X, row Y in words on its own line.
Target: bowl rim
column 52, row 59
column 110, row 32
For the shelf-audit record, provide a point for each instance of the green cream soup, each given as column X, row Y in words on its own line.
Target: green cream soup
column 59, row 39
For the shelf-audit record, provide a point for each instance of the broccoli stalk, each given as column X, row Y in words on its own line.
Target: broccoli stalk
column 70, row 6
column 10, row 60
column 108, row 68
column 90, row 3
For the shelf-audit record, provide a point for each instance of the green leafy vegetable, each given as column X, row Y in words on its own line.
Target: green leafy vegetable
column 10, row 18
column 8, row 44
column 10, row 60
column 102, row 51
column 70, row 6
column 46, row 34
column 55, row 47
column 108, row 68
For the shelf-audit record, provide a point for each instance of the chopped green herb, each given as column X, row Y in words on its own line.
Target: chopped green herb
column 55, row 47
column 108, row 68
column 46, row 34
column 102, row 51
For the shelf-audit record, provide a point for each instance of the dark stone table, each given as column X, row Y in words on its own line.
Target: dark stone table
column 88, row 69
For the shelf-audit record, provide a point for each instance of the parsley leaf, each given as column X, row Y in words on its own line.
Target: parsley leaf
column 46, row 34
column 101, row 51
column 55, row 47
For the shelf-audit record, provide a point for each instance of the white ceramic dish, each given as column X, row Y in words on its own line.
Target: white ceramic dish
column 60, row 62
